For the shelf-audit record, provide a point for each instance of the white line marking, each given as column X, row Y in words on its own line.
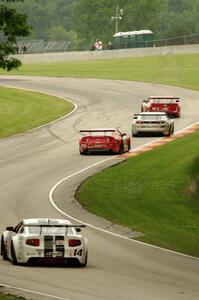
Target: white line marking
column 103, row 230
column 33, row 292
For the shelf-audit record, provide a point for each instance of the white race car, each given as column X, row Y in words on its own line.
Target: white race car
column 44, row 241
column 152, row 122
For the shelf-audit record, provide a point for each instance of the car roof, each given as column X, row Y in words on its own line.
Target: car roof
column 164, row 97
column 45, row 221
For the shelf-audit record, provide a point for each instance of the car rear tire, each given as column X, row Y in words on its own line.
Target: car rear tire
column 13, row 256
column 121, row 149
column 85, row 262
column 168, row 133
column 83, row 152
column 3, row 250
column 129, row 146
column 134, row 134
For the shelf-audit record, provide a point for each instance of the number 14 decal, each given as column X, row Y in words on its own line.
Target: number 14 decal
column 78, row 252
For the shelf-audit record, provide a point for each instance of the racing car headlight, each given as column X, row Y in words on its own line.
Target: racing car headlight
column 33, row 242
column 74, row 243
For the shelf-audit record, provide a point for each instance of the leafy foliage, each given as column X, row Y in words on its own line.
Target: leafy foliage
column 12, row 25
column 84, row 21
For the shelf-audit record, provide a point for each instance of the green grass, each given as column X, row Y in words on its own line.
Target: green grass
column 10, row 297
column 22, row 110
column 149, row 193
column 178, row 70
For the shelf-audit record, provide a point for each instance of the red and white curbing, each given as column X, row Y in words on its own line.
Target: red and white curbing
column 190, row 129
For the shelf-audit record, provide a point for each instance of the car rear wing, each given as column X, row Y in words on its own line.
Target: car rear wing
column 165, row 101
column 97, row 130
column 54, row 225
column 41, row 226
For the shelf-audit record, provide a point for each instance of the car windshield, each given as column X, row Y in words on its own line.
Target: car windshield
column 49, row 230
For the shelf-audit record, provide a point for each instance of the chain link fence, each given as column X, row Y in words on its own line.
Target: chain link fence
column 41, row 46
column 182, row 40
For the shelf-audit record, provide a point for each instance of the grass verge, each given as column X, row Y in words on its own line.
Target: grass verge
column 10, row 297
column 178, row 70
column 150, row 193
column 23, row 110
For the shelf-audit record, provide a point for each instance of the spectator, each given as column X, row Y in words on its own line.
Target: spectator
column 98, row 45
column 92, row 47
column 109, row 46
column 24, row 49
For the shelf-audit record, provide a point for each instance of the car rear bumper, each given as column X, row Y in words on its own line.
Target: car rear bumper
column 98, row 148
column 53, row 260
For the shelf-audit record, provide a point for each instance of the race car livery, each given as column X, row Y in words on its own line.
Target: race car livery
column 103, row 140
column 44, row 241
column 156, row 122
column 168, row 104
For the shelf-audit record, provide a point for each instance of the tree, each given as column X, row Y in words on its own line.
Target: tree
column 141, row 14
column 179, row 18
column 12, row 25
column 92, row 20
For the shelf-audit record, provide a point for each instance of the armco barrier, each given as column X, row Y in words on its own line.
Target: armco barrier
column 106, row 54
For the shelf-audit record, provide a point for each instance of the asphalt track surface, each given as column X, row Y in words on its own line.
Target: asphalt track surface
column 31, row 164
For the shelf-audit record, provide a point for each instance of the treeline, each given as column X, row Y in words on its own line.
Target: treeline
column 82, row 21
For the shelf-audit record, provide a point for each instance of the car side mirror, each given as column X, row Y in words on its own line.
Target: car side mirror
column 144, row 101
column 78, row 229
column 10, row 228
column 123, row 134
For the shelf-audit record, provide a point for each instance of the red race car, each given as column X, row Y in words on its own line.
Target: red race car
column 168, row 104
column 103, row 140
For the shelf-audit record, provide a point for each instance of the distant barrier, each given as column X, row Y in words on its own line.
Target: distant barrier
column 106, row 54
column 41, row 46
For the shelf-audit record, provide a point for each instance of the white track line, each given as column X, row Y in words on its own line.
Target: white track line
column 100, row 229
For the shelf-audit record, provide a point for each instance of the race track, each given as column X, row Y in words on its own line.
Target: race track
column 32, row 163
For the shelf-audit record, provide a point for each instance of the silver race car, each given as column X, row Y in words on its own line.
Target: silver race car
column 152, row 122
column 44, row 241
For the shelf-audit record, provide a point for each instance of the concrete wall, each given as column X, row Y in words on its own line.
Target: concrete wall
column 105, row 54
